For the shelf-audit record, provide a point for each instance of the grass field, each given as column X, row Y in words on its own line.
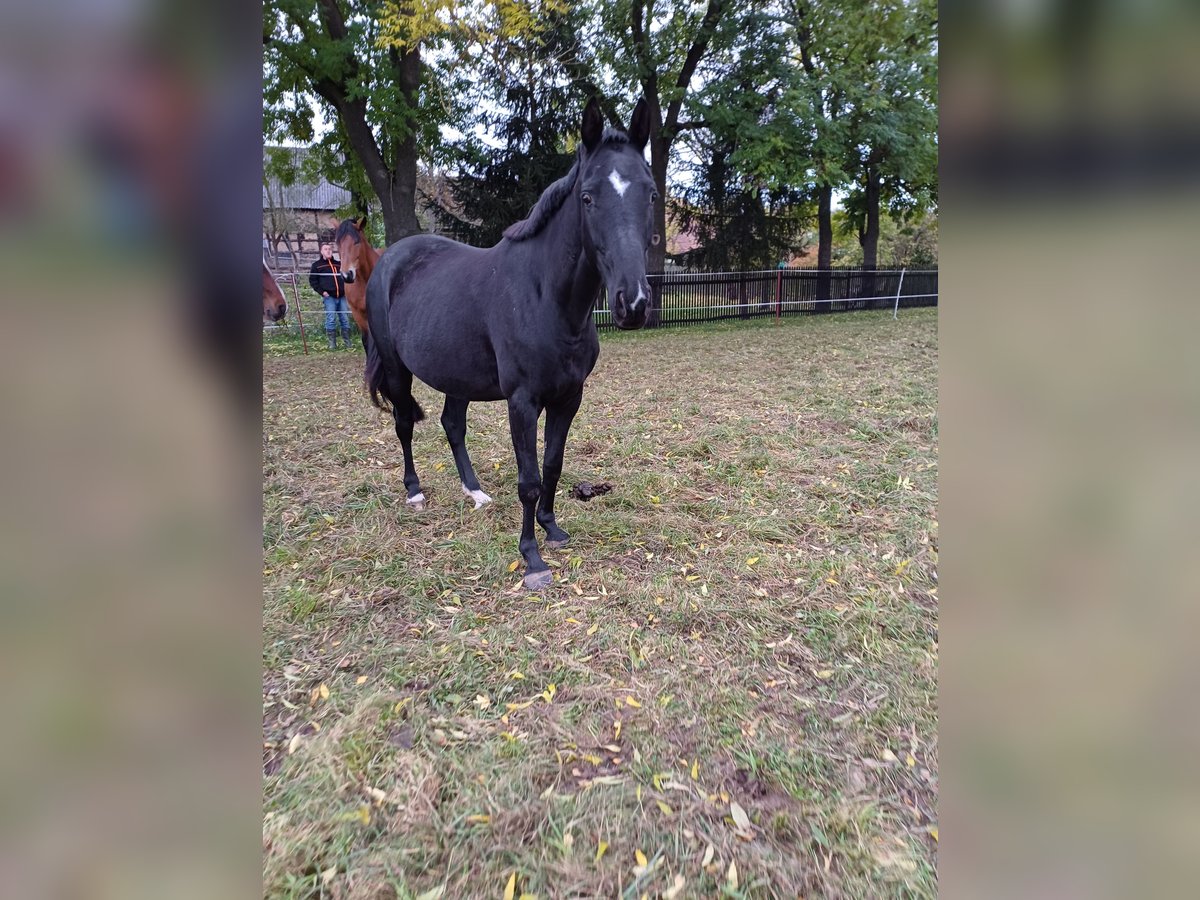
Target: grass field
column 730, row 690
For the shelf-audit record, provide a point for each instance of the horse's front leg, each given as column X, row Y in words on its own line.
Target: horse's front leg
column 523, row 414
column 558, row 422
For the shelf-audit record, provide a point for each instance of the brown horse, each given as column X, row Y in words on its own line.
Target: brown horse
column 274, row 306
column 358, row 260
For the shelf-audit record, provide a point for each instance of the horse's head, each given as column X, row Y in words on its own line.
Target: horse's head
column 351, row 245
column 616, row 194
column 274, row 306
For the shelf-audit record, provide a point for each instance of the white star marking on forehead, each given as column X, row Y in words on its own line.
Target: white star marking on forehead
column 619, row 184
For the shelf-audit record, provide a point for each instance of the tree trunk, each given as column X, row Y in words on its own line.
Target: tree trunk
column 869, row 237
column 824, row 243
column 401, row 221
column 660, row 148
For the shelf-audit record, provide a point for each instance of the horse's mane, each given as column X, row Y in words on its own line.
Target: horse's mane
column 552, row 198
column 347, row 227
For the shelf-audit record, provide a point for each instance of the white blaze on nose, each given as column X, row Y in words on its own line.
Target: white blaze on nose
column 619, row 184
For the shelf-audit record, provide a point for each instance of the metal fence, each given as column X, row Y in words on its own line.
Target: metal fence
column 684, row 297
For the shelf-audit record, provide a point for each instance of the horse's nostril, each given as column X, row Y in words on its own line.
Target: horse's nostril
column 621, row 302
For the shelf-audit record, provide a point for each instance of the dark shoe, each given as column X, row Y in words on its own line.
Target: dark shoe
column 346, row 337
column 332, row 335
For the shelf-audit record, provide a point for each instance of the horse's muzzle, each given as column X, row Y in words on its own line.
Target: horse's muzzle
column 630, row 313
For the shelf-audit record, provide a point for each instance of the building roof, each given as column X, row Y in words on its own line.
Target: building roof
column 303, row 194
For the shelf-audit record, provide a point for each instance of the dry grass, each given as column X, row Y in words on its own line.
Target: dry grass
column 749, row 617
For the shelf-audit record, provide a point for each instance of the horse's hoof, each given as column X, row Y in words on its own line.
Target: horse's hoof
column 417, row 501
column 558, row 545
column 536, row 581
column 477, row 495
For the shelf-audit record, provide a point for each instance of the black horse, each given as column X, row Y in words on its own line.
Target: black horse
column 514, row 322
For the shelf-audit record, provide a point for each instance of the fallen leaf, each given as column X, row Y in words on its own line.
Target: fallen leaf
column 617, row 730
column 888, row 756
column 478, row 820
column 515, row 674
column 708, row 857
column 731, row 876
column 909, row 760
column 933, row 833
column 739, row 816
column 433, row 893
column 512, row 567
column 600, row 848
column 666, row 810
column 510, row 889
column 361, row 679
column 640, row 857
column 752, row 560
column 673, row 891
column 824, row 673
column 593, row 629
column 696, row 770
column 323, row 690
column 327, row 875
column 528, row 897
column 483, row 701
column 548, row 693
column 631, row 702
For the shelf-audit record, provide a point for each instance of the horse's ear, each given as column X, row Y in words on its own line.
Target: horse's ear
column 593, row 125
column 639, row 125
column 361, row 223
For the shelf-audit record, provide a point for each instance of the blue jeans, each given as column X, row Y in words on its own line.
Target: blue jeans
column 335, row 307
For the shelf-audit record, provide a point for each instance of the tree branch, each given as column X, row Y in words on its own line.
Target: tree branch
column 708, row 26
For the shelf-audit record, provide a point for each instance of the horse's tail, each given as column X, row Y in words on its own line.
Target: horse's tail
column 375, row 376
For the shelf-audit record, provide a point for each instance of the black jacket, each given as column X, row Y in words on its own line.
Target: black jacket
column 326, row 276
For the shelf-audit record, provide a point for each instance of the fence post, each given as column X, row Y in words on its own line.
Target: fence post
column 299, row 316
column 896, row 311
column 778, row 293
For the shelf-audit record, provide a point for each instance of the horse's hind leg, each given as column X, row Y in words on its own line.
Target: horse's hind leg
column 454, row 420
column 407, row 413
column 558, row 423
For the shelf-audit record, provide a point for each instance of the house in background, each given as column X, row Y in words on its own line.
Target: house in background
column 297, row 217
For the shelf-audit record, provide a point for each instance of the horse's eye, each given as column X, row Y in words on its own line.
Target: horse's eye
column 587, row 198
column 654, row 196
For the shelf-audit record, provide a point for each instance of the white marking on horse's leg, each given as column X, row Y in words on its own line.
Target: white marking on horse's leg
column 620, row 185
column 479, row 497
column 416, row 501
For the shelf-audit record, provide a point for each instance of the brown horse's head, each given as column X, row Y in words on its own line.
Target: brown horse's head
column 358, row 260
column 274, row 306
column 354, row 250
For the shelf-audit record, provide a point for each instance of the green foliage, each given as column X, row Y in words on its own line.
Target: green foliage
column 777, row 100
column 524, row 98
column 903, row 242
column 743, row 200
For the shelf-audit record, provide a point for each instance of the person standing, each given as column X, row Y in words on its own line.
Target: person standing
column 327, row 279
